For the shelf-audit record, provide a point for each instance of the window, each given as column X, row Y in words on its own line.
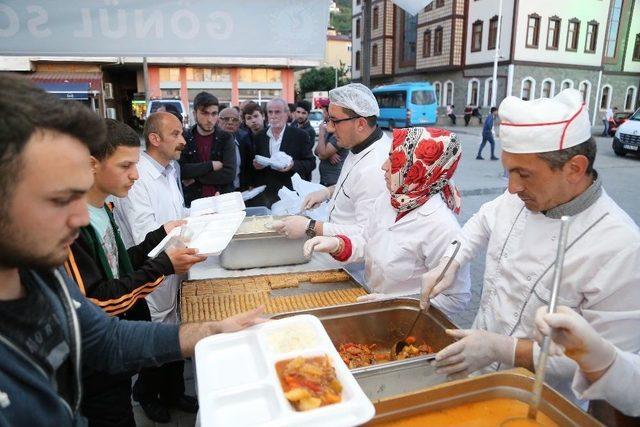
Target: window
column 357, row 61
column 553, row 34
column 592, row 37
column 473, row 92
column 614, row 24
column 636, row 49
column 358, row 28
column 374, row 55
column 448, row 93
column 476, row 36
column 358, row 2
column 547, row 90
column 376, row 22
column 169, row 74
column 392, row 99
column 426, row 44
column 439, row 3
column 429, row 7
column 605, row 97
column 585, row 91
column 567, row 84
column 488, row 90
column 493, row 32
column 630, row 98
column 408, row 41
column 208, row 74
column 422, row 97
column 533, row 30
column 259, row 75
column 528, row 88
column 437, row 41
column 437, row 88
column 573, row 33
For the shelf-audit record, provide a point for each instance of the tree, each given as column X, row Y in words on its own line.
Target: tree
column 322, row 79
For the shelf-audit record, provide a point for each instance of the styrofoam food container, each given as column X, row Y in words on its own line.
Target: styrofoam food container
column 238, row 385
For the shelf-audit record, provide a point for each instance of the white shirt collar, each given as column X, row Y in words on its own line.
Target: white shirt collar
column 158, row 170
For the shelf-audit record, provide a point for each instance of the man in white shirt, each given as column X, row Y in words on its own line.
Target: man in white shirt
column 152, row 201
column 550, row 164
column 607, row 117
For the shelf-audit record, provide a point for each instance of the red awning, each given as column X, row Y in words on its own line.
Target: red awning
column 93, row 79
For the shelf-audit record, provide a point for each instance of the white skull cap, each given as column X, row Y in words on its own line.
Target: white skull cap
column 356, row 97
column 545, row 124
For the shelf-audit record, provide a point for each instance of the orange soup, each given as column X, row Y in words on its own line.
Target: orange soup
column 485, row 413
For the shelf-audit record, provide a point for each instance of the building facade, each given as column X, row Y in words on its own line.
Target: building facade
column 544, row 47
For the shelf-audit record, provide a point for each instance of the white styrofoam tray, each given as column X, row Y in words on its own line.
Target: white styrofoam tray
column 211, row 233
column 223, row 203
column 238, row 384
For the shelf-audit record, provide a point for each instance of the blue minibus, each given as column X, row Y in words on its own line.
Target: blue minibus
column 406, row 104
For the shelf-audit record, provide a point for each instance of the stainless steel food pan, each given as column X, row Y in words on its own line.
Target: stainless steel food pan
column 256, row 250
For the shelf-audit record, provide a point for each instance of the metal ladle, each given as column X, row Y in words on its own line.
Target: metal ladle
column 399, row 345
column 530, row 419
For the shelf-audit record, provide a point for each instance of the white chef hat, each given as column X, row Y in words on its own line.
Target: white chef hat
column 545, row 124
column 356, row 97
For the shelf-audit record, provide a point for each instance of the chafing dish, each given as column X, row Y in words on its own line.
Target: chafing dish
column 383, row 323
column 262, row 249
column 514, row 384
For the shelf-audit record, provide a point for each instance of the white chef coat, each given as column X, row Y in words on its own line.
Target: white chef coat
column 360, row 183
column 153, row 200
column 618, row 385
column 601, row 274
column 396, row 254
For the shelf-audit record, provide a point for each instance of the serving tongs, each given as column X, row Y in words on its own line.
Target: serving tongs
column 565, row 221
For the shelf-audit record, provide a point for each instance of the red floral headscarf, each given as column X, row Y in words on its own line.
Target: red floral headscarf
column 423, row 161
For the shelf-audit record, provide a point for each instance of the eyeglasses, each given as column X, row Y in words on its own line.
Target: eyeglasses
column 230, row 119
column 336, row 121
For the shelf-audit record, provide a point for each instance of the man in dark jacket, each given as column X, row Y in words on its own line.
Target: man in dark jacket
column 48, row 330
column 117, row 279
column 303, row 108
column 230, row 122
column 208, row 162
column 280, row 137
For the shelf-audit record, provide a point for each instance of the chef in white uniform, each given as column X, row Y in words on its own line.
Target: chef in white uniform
column 412, row 223
column 605, row 372
column 548, row 152
column 352, row 119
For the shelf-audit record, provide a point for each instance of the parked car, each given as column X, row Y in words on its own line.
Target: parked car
column 169, row 105
column 618, row 119
column 406, row 104
column 316, row 117
column 627, row 137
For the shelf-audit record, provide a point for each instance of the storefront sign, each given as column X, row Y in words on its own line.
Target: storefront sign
column 221, row 28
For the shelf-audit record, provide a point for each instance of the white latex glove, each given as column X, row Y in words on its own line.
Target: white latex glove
column 429, row 286
column 314, row 199
column 572, row 335
column 373, row 297
column 475, row 350
column 321, row 244
column 293, row 227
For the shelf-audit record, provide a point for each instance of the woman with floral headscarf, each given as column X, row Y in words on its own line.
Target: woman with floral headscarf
column 411, row 225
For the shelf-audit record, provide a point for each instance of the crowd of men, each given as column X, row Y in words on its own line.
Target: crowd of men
column 82, row 308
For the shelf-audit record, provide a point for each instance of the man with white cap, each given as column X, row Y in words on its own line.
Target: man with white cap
column 548, row 152
column 353, row 112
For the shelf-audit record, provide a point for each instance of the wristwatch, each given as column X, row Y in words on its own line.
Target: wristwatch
column 311, row 229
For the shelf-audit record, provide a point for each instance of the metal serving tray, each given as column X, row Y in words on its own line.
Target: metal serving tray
column 256, row 250
column 514, row 384
column 383, row 323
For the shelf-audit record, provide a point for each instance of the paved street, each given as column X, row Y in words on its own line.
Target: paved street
column 479, row 182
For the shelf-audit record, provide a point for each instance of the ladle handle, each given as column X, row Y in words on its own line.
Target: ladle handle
column 544, row 350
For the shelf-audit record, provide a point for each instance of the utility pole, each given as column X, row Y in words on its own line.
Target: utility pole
column 496, row 57
column 145, row 73
column 365, row 67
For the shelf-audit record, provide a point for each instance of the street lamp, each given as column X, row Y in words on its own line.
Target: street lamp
column 496, row 57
